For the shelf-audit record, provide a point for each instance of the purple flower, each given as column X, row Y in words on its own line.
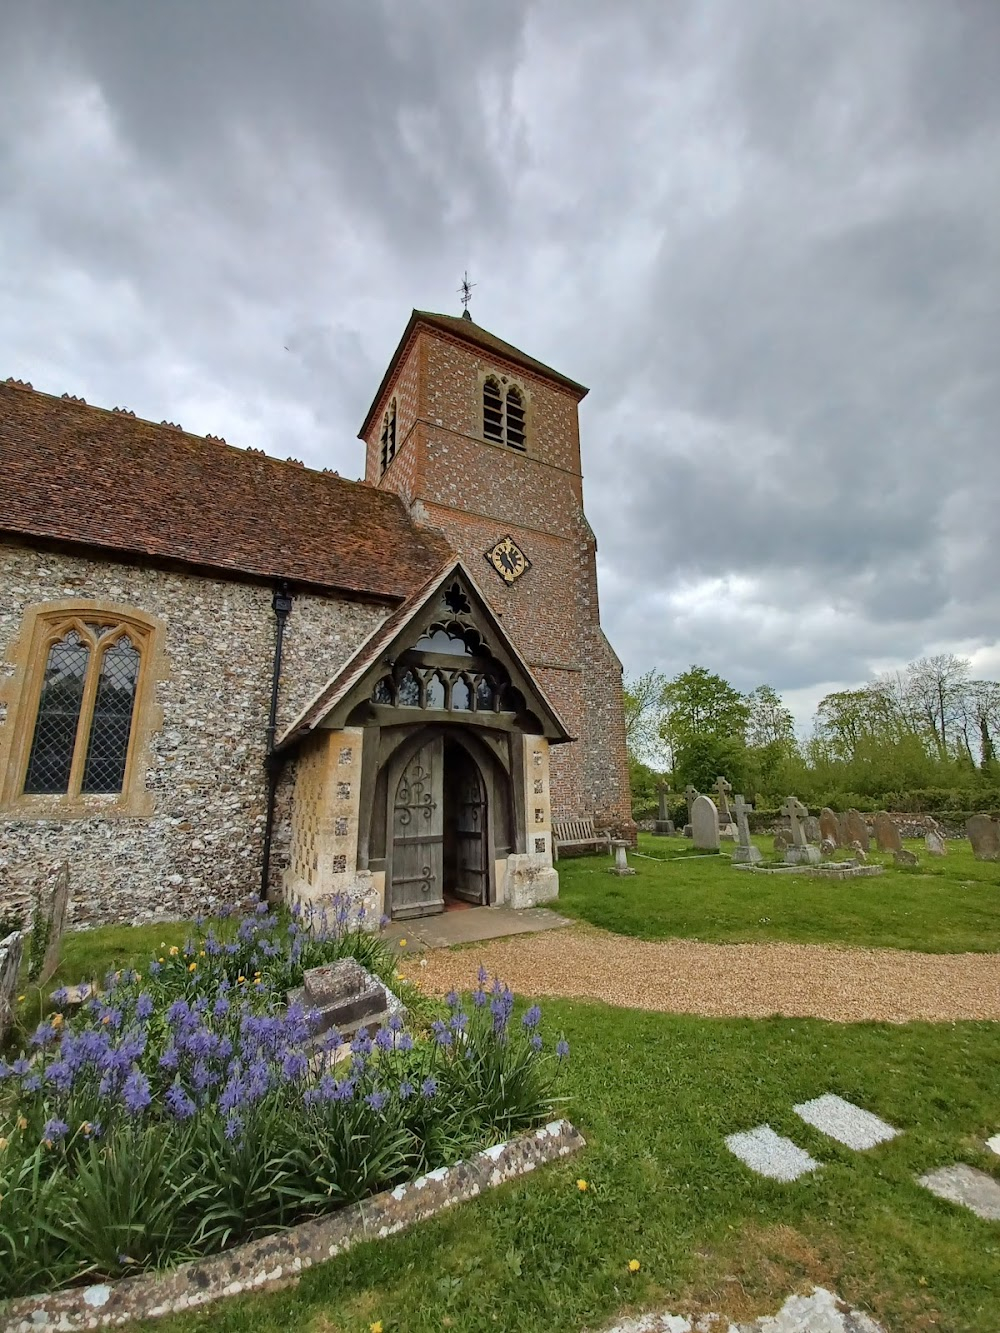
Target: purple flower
column 221, row 1007
column 396, row 1023
column 21, row 1066
column 170, row 1058
column 55, row 1129
column 60, row 996
column 536, row 1042
column 479, row 998
column 405, row 1042
column 383, row 921
column 294, row 1064
column 155, row 968
column 178, row 1102
column 60, row 1075
column 532, row 1018
column 459, row 1022
column 93, row 1130
column 32, row 1083
column 482, row 976
column 452, row 999
column 178, row 1012
column 136, row 1094
column 5, row 1069
column 261, row 909
column 43, row 1034
column 144, row 1007
column 384, row 1039
column 234, row 1127
column 232, row 1095
column 429, row 1088
column 362, row 1043
column 405, row 1090
column 562, row 1049
column 441, row 1034
column 376, row 1100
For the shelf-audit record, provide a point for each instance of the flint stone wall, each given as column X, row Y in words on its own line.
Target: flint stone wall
column 281, row 1257
column 201, row 846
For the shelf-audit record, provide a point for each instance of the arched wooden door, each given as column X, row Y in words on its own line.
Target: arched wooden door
column 417, row 861
column 466, row 828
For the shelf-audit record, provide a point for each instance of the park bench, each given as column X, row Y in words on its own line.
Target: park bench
column 577, row 833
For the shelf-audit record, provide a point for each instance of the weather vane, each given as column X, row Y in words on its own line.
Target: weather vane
column 466, row 292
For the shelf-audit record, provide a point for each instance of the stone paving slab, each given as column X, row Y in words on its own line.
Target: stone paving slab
column 965, row 1185
column 770, row 1154
column 845, row 1122
column 819, row 1312
column 466, row 926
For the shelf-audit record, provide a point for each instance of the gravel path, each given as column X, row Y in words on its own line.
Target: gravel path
column 727, row 980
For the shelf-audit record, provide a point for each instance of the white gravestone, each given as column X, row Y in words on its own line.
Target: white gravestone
column 744, row 853
column 800, row 852
column 705, row 824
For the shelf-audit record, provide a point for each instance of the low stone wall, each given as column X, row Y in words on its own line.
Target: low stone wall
column 285, row 1254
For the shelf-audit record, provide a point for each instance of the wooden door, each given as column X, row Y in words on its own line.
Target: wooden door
column 417, row 822
column 467, row 798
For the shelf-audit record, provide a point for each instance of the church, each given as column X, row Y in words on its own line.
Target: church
column 225, row 675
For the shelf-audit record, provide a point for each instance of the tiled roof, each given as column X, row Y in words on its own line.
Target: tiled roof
column 79, row 474
column 469, row 331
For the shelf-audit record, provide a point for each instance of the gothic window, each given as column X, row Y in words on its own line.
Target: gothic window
column 387, row 442
column 436, row 697
column 456, row 601
column 485, row 695
column 409, row 690
column 443, row 639
column 83, row 706
column 382, row 693
column 461, row 695
column 503, row 414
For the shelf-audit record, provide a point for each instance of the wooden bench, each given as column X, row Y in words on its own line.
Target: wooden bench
column 577, row 833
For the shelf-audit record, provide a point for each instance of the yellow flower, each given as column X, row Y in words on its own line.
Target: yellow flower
column 582, row 1186
column 46, row 1143
column 173, row 951
column 402, row 944
column 240, row 980
column 633, row 1265
column 159, row 960
column 20, row 999
column 21, row 1122
column 57, row 1020
column 86, row 1127
column 201, row 953
column 3, row 1144
column 376, row 1327
column 192, row 967
column 106, row 1019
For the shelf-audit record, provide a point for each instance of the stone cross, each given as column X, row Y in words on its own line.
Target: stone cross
column 691, row 794
column 723, row 788
column 663, row 791
column 795, row 811
column 742, row 809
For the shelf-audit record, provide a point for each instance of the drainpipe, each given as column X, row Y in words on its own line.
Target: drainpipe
column 281, row 603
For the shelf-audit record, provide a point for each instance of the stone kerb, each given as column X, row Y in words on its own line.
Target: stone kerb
column 285, row 1254
column 11, row 949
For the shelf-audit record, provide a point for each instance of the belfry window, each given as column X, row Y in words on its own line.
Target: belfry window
column 503, row 414
column 387, row 443
column 83, row 720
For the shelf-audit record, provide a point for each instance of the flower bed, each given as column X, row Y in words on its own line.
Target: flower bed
column 188, row 1107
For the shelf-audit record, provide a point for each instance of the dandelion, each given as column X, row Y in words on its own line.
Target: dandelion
column 582, row 1186
column 634, row 1265
column 376, row 1327
column 402, row 944
column 240, row 979
column 192, row 967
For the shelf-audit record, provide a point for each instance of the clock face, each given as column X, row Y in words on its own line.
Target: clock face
column 508, row 559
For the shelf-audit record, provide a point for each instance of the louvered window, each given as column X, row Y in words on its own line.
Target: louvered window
column 492, row 411
column 503, row 414
column 515, row 419
column 387, row 441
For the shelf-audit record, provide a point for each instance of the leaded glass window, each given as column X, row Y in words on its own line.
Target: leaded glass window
column 111, row 722
column 82, row 726
column 58, row 717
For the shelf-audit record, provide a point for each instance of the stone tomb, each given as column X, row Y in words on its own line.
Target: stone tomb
column 887, row 837
column 705, row 824
column 346, row 996
column 799, row 852
column 984, row 834
column 10, row 963
column 744, row 853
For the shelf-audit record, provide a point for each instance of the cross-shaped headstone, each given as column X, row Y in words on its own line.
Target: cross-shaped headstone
column 663, row 791
column 742, row 809
column 723, row 788
column 691, row 794
column 796, row 812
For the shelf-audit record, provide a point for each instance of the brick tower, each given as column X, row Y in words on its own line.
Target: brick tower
column 482, row 443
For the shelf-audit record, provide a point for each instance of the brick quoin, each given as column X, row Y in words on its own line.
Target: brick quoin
column 475, row 491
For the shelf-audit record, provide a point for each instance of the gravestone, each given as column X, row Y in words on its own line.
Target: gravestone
column 782, row 842
column 812, row 830
column 705, row 824
column 744, row 853
column 829, row 826
column 855, row 830
column 53, row 904
column 904, row 857
column 935, row 844
column 887, row 837
column 860, row 855
column 799, row 851
column 828, row 846
column 984, row 834
column 11, row 949
column 346, row 996
column 664, row 824
column 690, row 795
column 722, row 788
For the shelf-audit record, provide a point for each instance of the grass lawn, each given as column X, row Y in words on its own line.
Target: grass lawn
column 655, row 1095
column 948, row 905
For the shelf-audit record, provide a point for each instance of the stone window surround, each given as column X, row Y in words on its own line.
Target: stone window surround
column 43, row 624
column 505, row 381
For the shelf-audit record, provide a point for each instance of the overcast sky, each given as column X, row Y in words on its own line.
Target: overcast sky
column 765, row 232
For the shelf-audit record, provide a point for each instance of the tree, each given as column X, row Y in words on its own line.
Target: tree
column 935, row 688
column 644, row 713
column 705, row 726
column 981, row 715
column 770, row 722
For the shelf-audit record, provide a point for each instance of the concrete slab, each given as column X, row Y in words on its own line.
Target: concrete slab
column 819, row 1312
column 770, row 1154
column 469, row 926
column 845, row 1122
column 965, row 1185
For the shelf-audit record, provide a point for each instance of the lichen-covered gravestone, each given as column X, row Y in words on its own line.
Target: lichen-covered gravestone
column 829, row 826
column 799, row 852
column 934, row 843
column 855, row 829
column 886, row 833
column 705, row 824
column 49, row 924
column 744, row 853
column 984, row 834
column 812, row 830
column 10, row 962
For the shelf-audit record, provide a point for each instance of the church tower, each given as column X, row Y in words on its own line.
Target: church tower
column 482, row 443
